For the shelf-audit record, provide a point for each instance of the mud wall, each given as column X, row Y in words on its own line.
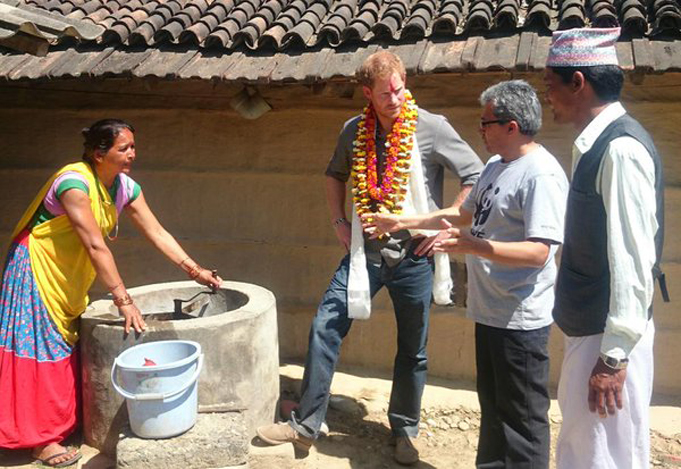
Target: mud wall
column 247, row 196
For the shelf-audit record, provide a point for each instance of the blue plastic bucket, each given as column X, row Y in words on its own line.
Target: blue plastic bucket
column 162, row 398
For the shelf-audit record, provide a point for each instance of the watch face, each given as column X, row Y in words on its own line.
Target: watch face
column 615, row 362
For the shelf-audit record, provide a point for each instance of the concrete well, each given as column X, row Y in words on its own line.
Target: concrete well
column 237, row 330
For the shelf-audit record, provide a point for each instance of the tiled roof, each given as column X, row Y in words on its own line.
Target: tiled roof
column 305, row 24
column 18, row 20
column 317, row 40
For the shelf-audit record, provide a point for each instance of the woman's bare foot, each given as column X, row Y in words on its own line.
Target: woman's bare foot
column 55, row 454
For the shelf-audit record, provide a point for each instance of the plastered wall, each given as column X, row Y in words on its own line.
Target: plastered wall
column 247, row 197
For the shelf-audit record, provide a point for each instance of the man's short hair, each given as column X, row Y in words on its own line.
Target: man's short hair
column 515, row 100
column 380, row 64
column 606, row 80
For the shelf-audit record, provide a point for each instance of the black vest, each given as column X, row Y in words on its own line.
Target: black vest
column 583, row 283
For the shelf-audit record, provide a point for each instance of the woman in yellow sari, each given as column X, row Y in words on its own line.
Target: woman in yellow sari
column 57, row 250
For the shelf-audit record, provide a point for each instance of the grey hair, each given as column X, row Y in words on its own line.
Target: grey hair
column 515, row 100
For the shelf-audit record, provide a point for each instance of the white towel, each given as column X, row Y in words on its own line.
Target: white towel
column 415, row 201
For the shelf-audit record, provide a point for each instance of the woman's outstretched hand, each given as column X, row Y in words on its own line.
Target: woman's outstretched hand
column 209, row 278
column 133, row 318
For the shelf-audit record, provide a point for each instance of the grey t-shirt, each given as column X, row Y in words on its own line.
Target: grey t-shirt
column 440, row 147
column 516, row 201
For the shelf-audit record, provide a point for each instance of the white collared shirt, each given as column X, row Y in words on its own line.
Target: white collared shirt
column 626, row 182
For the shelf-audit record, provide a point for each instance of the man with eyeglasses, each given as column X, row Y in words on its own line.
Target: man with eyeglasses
column 509, row 227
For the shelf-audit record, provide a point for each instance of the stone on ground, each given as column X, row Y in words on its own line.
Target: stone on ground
column 216, row 441
column 346, row 404
column 262, row 456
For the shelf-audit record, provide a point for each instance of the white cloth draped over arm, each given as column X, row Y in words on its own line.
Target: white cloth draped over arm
column 359, row 288
column 416, row 201
column 627, row 186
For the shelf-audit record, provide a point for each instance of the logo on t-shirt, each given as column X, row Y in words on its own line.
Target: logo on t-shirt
column 483, row 207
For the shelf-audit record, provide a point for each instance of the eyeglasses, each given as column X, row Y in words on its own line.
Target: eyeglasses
column 484, row 124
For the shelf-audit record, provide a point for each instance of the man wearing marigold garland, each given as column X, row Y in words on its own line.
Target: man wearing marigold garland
column 510, row 227
column 395, row 153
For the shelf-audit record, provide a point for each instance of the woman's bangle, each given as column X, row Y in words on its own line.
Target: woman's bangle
column 194, row 271
column 112, row 289
column 183, row 261
column 124, row 300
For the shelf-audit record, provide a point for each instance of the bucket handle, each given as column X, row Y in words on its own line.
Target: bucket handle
column 154, row 396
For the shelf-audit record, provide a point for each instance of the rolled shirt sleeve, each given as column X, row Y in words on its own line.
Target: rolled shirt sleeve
column 340, row 164
column 627, row 186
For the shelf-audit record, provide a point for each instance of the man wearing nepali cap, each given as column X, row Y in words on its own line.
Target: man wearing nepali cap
column 604, row 289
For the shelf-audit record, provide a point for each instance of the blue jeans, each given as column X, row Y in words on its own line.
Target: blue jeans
column 409, row 284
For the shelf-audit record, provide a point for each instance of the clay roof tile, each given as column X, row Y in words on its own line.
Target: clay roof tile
column 538, row 15
column 667, row 18
column 506, row 16
column 449, row 17
column 571, row 14
column 479, row 15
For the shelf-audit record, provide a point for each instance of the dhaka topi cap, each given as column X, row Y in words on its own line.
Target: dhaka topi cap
column 583, row 47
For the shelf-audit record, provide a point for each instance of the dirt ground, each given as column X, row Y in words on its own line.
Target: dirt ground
column 359, row 435
column 450, row 419
column 448, row 441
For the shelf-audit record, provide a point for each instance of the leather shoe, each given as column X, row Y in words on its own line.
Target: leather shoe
column 280, row 433
column 405, row 451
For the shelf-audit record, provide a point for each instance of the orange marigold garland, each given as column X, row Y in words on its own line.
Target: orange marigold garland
column 387, row 196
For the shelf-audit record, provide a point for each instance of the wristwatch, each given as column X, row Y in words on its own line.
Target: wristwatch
column 614, row 363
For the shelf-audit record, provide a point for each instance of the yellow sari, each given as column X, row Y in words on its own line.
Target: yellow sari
column 61, row 265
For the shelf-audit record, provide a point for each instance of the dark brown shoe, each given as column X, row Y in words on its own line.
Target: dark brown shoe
column 280, row 433
column 405, row 451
